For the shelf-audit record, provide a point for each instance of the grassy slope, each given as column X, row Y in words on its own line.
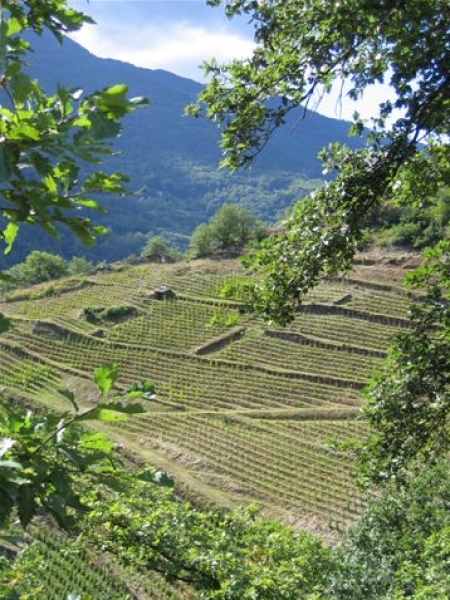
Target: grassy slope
column 253, row 416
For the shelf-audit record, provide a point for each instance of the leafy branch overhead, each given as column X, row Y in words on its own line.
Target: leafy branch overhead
column 48, row 462
column 303, row 49
column 43, row 139
column 409, row 402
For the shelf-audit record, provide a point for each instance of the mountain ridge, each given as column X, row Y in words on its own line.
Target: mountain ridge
column 173, row 160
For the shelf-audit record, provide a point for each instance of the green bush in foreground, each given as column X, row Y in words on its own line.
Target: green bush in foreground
column 221, row 554
column 400, row 548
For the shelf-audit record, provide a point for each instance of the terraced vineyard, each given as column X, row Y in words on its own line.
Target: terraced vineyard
column 62, row 569
column 244, row 411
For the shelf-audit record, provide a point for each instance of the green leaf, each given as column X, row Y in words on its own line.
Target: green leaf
column 5, row 324
column 24, row 130
column 9, row 235
column 90, row 204
column 132, row 395
column 126, row 409
column 26, row 504
column 14, row 26
column 42, row 164
column 104, row 414
column 141, row 387
column 114, row 483
column 105, row 377
column 115, row 91
column 22, row 86
column 96, row 441
column 5, row 171
column 112, row 411
column 70, row 397
column 113, row 101
column 3, row 43
column 50, row 184
column 10, row 464
column 104, row 182
column 100, row 230
column 6, row 506
column 102, row 127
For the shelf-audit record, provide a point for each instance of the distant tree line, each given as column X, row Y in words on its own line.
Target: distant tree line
column 411, row 226
column 42, row 266
column 230, row 228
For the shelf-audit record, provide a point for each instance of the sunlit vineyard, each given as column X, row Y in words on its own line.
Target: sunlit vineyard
column 244, row 411
column 58, row 569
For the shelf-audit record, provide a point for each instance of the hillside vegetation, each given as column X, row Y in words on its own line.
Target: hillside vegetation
column 243, row 411
column 172, row 161
column 238, row 421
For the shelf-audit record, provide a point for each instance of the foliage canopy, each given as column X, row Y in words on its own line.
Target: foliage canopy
column 303, row 49
column 399, row 547
column 159, row 250
column 44, row 138
column 230, row 227
column 303, row 45
column 409, row 402
column 221, row 554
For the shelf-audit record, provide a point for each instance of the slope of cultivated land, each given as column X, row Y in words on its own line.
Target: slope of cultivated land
column 244, row 412
column 62, row 569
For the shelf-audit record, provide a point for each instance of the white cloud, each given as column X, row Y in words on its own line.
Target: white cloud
column 177, row 47
column 179, row 35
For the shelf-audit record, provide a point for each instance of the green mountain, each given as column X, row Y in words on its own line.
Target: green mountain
column 172, row 160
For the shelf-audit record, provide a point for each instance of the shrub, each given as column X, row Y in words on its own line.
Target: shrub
column 158, row 250
column 231, row 226
column 97, row 314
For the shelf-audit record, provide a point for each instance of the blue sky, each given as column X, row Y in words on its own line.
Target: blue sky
column 178, row 35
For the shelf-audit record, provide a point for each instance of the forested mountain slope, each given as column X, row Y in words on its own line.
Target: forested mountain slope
column 244, row 411
column 173, row 160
